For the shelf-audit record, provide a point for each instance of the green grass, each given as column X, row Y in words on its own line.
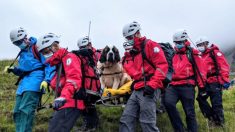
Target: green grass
column 109, row 117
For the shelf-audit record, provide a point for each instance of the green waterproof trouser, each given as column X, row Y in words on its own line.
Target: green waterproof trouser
column 24, row 110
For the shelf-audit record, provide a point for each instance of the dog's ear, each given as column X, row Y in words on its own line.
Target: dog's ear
column 103, row 55
column 117, row 55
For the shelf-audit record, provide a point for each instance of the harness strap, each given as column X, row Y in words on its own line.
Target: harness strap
column 27, row 73
column 212, row 75
column 146, row 78
column 110, row 73
column 186, row 78
column 91, row 77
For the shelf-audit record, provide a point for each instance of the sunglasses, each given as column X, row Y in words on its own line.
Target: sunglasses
column 178, row 42
column 82, row 47
column 129, row 37
column 201, row 44
column 19, row 42
column 46, row 50
column 53, row 48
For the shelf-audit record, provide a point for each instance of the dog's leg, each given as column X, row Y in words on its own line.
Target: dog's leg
column 116, row 82
column 124, row 79
column 102, row 83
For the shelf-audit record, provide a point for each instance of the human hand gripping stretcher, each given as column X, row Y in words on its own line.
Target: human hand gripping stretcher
column 109, row 97
column 115, row 97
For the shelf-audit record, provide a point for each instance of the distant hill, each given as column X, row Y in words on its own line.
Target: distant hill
column 109, row 117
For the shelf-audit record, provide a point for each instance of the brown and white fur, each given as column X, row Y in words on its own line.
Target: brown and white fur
column 112, row 73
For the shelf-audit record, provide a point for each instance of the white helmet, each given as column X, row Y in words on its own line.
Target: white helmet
column 17, row 34
column 127, row 46
column 202, row 39
column 47, row 40
column 180, row 35
column 130, row 29
column 84, row 41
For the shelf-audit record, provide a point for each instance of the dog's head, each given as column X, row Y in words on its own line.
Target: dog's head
column 110, row 54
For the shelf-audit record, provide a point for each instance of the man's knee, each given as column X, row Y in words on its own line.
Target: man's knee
column 149, row 127
column 127, row 123
column 127, row 118
column 169, row 104
column 190, row 114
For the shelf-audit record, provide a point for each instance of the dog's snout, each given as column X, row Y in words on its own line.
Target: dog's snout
column 111, row 54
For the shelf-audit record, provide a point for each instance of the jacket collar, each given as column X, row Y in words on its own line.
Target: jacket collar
column 57, row 57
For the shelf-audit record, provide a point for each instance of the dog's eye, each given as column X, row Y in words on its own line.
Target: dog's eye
column 107, row 49
column 114, row 49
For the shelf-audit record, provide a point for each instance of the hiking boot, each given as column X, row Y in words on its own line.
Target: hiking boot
column 219, row 124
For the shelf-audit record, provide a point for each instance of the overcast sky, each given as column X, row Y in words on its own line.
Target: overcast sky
column 159, row 19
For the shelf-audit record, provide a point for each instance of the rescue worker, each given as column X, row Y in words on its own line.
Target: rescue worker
column 90, row 116
column 188, row 72
column 70, row 89
column 217, row 69
column 31, row 72
column 142, row 102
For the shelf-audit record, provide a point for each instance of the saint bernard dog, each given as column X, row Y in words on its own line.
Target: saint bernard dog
column 111, row 70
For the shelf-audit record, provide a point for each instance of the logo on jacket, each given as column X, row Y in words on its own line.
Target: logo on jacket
column 219, row 54
column 68, row 61
column 156, row 49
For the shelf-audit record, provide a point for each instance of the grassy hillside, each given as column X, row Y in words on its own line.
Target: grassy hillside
column 109, row 117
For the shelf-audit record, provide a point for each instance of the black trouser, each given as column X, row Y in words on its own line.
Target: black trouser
column 63, row 120
column 185, row 94
column 90, row 117
column 215, row 111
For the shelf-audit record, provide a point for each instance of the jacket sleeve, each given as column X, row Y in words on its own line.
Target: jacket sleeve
column 201, row 73
column 222, row 65
column 156, row 55
column 16, row 71
column 49, row 70
column 73, row 75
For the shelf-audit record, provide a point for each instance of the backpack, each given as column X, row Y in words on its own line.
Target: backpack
column 169, row 53
column 90, row 96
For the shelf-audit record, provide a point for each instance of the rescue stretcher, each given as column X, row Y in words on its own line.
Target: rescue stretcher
column 115, row 97
column 109, row 97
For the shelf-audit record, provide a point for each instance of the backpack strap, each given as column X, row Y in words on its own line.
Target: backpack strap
column 212, row 55
column 189, row 54
column 144, row 54
column 27, row 73
column 59, row 71
column 36, row 53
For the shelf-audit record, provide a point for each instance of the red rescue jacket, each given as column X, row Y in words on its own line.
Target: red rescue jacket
column 133, row 64
column 70, row 78
column 222, row 63
column 183, row 71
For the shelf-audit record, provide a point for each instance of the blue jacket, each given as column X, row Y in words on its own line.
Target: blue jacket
column 28, row 63
column 49, row 70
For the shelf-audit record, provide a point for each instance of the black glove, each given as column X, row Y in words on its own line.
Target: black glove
column 149, row 91
column 226, row 85
column 80, row 94
column 9, row 69
column 58, row 102
column 202, row 92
